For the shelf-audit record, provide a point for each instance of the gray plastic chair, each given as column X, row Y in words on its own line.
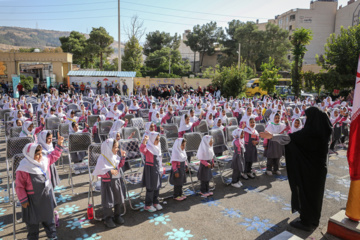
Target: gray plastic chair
column 104, row 129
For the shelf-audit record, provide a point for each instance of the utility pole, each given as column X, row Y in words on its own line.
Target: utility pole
column 119, row 39
column 239, row 55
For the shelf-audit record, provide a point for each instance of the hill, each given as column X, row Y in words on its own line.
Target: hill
column 16, row 37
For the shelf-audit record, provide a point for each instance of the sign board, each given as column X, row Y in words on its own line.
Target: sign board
column 93, row 80
column 16, row 81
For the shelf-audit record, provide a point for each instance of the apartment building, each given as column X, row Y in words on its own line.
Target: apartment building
column 323, row 18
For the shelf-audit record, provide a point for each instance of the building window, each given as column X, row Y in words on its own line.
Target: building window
column 290, row 27
column 292, row 17
column 287, row 19
column 289, row 57
column 290, row 38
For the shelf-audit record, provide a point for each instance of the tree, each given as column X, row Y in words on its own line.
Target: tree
column 230, row 45
column 132, row 58
column 300, row 38
column 135, row 29
column 158, row 40
column 75, row 43
column 99, row 44
column 203, row 38
column 27, row 82
column 269, row 77
column 231, row 80
column 342, row 54
column 160, row 61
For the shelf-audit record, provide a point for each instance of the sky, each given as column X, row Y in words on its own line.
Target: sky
column 163, row 15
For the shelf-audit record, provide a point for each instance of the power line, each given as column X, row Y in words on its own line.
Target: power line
column 162, row 14
column 139, row 4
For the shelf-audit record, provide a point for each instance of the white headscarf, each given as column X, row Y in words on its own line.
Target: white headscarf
column 42, row 141
column 102, row 118
column 107, row 160
column 210, row 122
column 216, row 124
column 151, row 147
column 183, row 126
column 113, row 113
column 274, row 128
column 25, row 132
column 205, row 152
column 154, row 118
column 113, row 134
column 237, row 138
column 134, row 107
column 178, row 154
column 293, row 128
column 29, row 164
column 68, row 116
column 248, row 129
column 118, row 124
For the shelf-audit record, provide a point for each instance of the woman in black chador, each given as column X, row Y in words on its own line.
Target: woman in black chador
column 306, row 154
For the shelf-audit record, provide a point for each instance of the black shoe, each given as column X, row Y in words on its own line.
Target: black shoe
column 299, row 225
column 119, row 220
column 109, row 223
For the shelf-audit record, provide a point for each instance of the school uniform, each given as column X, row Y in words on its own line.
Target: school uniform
column 178, row 162
column 238, row 160
column 205, row 154
column 250, row 135
column 112, row 186
column 151, row 179
column 33, row 186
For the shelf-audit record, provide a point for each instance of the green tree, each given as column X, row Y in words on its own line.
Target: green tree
column 158, row 62
column 342, row 54
column 300, row 38
column 269, row 77
column 203, row 38
column 75, row 43
column 26, row 49
column 230, row 45
column 231, row 80
column 132, row 58
column 100, row 44
column 158, row 40
column 27, row 82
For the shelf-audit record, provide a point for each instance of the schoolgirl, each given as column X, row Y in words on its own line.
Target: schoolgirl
column 35, row 191
column 178, row 162
column 296, row 125
column 29, row 131
column 273, row 150
column 205, row 154
column 112, row 187
column 238, row 160
column 251, row 139
column 151, row 149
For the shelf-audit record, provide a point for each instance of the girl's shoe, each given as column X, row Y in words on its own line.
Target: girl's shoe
column 278, row 172
column 183, row 196
column 150, row 208
column 240, row 183
column 236, row 185
column 244, row 176
column 178, row 198
column 109, row 223
column 269, row 173
column 204, row 195
column 158, row 207
column 251, row 175
column 210, row 193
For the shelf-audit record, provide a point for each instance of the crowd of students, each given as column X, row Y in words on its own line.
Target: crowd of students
column 37, row 175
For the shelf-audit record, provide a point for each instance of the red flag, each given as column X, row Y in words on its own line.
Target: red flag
column 353, row 155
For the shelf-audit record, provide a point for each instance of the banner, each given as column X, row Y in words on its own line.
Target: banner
column 48, row 82
column 16, row 81
column 353, row 155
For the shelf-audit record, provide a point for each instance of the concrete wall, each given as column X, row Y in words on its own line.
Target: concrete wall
column 61, row 62
column 194, row 82
column 347, row 16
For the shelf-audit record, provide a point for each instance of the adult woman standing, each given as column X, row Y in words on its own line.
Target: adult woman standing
column 306, row 153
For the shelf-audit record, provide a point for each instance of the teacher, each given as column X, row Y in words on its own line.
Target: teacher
column 306, row 153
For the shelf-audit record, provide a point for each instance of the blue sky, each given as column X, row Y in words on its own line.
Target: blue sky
column 169, row 16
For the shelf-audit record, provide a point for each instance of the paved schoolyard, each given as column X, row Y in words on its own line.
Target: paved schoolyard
column 258, row 210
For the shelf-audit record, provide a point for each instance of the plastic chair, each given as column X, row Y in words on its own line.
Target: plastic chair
column 126, row 132
column 15, row 132
column 231, row 120
column 229, row 114
column 138, row 123
column 72, row 107
column 104, row 129
column 78, row 142
column 14, row 146
column 91, row 120
column 193, row 141
column 144, row 113
column 171, row 132
column 88, row 105
column 222, row 161
column 202, row 128
column 176, row 120
column 182, row 112
column 129, row 117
